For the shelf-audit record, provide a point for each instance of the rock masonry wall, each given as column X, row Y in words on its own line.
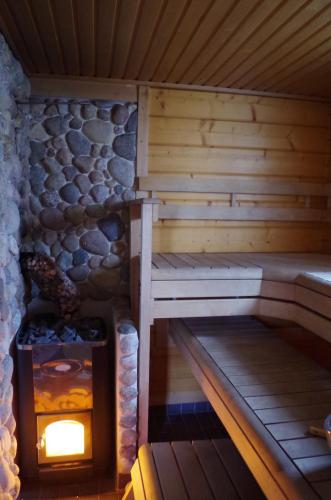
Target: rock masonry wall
column 126, row 394
column 13, row 150
column 82, row 166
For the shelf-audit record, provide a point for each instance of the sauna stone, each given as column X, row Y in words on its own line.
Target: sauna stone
column 75, row 123
column 111, row 261
column 95, row 150
column 103, row 114
column 132, row 124
column 88, row 111
column 63, row 156
column 71, row 242
column 77, row 143
column 69, row 172
column 70, row 193
column 125, row 145
column 75, row 214
column 112, row 227
column 98, row 131
column 51, row 165
column 83, row 183
column 95, row 242
column 85, row 200
column 83, row 163
column 54, row 125
column 64, row 260
column 96, row 211
column 78, row 273
column 52, row 218
column 80, row 257
column 49, row 198
column 122, row 171
column 119, row 114
column 55, row 181
column 106, row 151
column 95, row 176
column 99, row 192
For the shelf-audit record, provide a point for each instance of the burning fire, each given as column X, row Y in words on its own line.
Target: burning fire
column 64, row 437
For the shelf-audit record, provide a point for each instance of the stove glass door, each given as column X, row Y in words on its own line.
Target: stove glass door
column 64, row 437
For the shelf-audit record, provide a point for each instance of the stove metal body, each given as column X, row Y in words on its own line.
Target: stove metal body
column 65, row 395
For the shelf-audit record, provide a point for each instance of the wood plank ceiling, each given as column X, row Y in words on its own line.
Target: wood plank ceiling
column 279, row 46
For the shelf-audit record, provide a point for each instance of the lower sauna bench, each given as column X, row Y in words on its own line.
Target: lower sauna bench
column 266, row 394
column 201, row 470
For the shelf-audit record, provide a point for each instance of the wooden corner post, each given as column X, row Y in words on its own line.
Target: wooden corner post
column 144, row 319
column 143, row 131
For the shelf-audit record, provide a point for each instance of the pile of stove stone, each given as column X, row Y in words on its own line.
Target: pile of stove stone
column 49, row 329
column 52, row 282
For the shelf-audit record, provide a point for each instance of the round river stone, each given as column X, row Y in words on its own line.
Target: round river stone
column 112, row 227
column 52, row 218
column 94, row 242
column 125, row 145
column 77, row 143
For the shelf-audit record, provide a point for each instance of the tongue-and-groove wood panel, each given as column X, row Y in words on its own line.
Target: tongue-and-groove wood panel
column 207, row 137
column 261, row 45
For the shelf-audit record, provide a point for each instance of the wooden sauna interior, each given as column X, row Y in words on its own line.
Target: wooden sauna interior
column 232, row 164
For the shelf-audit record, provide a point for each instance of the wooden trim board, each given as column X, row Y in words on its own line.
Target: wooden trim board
column 191, row 212
column 187, row 308
column 44, row 85
column 212, row 184
column 83, row 88
column 142, row 131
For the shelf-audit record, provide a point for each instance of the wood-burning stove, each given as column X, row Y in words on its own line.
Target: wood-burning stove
column 65, row 408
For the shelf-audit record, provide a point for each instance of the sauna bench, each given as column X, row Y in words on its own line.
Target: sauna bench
column 198, row 470
column 289, row 286
column 266, row 394
column 284, row 267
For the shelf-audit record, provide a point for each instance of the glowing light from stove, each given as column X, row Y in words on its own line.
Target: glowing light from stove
column 64, row 437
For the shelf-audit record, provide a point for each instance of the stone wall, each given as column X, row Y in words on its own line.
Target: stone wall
column 82, row 166
column 13, row 150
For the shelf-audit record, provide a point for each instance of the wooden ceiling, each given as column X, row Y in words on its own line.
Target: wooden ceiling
column 281, row 46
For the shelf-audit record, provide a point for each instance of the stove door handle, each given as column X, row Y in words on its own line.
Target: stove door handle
column 40, row 443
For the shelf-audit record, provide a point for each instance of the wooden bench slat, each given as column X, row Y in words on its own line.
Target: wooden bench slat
column 149, row 473
column 288, row 414
column 195, row 481
column 175, row 261
column 293, row 399
column 315, row 468
column 217, row 476
column 244, row 482
column 268, row 368
column 171, row 481
column 271, row 381
column 159, row 261
column 293, row 430
column 306, row 447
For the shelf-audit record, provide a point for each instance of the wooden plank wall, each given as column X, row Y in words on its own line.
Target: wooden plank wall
column 204, row 134
column 171, row 378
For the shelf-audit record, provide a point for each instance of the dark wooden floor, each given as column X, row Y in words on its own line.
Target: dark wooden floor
column 102, row 489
